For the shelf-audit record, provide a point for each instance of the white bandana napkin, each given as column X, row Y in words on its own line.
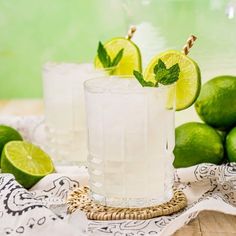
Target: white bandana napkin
column 42, row 209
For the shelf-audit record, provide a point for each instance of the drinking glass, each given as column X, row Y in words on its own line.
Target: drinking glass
column 65, row 123
column 130, row 141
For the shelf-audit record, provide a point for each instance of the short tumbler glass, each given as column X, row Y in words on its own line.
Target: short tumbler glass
column 65, row 123
column 130, row 141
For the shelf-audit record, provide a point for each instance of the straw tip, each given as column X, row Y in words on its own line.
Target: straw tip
column 133, row 28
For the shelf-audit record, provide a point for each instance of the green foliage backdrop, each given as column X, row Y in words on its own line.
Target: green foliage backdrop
column 33, row 32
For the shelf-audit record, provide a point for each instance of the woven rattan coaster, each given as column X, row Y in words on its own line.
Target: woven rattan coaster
column 79, row 199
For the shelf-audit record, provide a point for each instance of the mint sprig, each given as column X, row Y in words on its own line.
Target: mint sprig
column 166, row 76
column 162, row 75
column 141, row 80
column 105, row 59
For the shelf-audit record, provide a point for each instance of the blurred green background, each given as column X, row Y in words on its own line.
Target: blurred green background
column 36, row 31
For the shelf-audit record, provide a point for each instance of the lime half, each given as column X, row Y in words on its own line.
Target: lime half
column 189, row 83
column 27, row 162
column 7, row 134
column 131, row 59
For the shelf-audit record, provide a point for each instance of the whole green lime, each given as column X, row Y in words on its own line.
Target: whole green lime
column 231, row 145
column 7, row 134
column 216, row 104
column 197, row 143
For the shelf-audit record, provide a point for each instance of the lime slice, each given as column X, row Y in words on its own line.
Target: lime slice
column 130, row 61
column 189, row 84
column 27, row 162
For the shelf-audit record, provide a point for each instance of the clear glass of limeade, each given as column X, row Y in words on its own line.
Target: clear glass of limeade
column 65, row 123
column 130, row 141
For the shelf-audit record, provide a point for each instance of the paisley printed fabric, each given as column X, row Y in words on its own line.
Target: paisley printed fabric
column 25, row 212
column 42, row 209
column 207, row 187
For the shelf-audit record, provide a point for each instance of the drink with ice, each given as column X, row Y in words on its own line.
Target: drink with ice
column 131, row 123
column 131, row 139
column 64, row 110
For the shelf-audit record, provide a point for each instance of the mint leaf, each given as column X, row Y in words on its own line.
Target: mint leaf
column 105, row 59
column 117, row 58
column 166, row 76
column 174, row 69
column 162, row 75
column 141, row 80
column 103, row 56
column 159, row 66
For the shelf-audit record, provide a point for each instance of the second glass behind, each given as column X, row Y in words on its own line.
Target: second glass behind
column 130, row 141
column 65, row 123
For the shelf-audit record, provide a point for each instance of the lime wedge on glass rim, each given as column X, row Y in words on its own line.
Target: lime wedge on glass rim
column 27, row 162
column 189, row 83
column 131, row 59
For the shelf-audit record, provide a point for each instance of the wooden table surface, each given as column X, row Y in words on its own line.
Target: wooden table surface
column 206, row 224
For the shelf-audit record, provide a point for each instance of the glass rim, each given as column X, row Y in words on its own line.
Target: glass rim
column 90, row 86
column 53, row 66
column 49, row 66
column 105, row 68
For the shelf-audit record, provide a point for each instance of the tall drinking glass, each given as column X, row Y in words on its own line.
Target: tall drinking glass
column 130, row 142
column 65, row 123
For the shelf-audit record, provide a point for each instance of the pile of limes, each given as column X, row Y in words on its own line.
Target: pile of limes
column 27, row 162
column 214, row 141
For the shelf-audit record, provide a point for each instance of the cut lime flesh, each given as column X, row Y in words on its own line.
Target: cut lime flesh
column 130, row 61
column 27, row 162
column 189, row 83
column 7, row 134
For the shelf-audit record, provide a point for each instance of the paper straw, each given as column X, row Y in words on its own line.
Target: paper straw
column 131, row 32
column 189, row 44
